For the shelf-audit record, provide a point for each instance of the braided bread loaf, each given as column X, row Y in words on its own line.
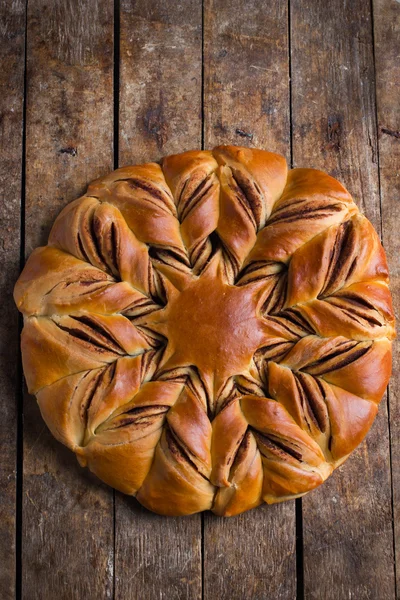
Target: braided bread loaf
column 210, row 333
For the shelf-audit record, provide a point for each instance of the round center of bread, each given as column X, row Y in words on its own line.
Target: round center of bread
column 213, row 326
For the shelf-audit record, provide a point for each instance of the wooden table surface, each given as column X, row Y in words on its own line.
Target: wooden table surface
column 87, row 85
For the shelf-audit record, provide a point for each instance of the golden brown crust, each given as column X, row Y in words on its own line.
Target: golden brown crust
column 209, row 333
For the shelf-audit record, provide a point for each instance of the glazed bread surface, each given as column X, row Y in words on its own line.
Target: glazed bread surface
column 210, row 333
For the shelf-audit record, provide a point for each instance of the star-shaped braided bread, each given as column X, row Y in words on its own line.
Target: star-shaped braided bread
column 209, row 333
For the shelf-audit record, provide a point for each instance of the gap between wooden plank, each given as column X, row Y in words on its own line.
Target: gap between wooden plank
column 116, row 75
column 298, row 501
column 12, row 40
column 20, row 375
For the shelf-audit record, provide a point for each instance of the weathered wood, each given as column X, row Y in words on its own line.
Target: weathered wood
column 387, row 65
column 155, row 557
column 67, row 514
column 348, row 543
column 160, row 81
column 246, row 74
column 160, row 113
column 246, row 102
column 251, row 555
column 12, row 51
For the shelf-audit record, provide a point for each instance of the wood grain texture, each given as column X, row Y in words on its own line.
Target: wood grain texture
column 69, row 106
column 387, row 64
column 160, row 79
column 246, row 102
column 67, row 514
column 67, row 535
column 348, row 545
column 160, row 113
column 333, row 111
column 246, row 74
column 12, row 51
column 251, row 555
column 156, row 557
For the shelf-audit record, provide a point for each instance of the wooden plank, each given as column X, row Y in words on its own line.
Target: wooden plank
column 67, row 514
column 348, row 545
column 246, row 74
column 12, row 51
column 160, row 83
column 160, row 113
column 387, row 64
column 246, row 102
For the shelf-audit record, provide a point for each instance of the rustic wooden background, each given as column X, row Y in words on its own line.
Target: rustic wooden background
column 87, row 85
